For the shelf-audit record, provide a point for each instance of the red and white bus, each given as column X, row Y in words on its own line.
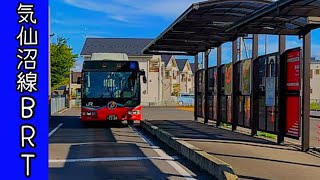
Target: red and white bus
column 111, row 91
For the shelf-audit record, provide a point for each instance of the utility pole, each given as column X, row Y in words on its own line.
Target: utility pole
column 70, row 92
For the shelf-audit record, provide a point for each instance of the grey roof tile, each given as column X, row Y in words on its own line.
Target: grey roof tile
column 130, row 46
column 181, row 63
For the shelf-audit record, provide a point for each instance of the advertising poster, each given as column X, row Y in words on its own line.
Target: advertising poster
column 215, row 80
column 199, row 81
column 222, row 79
column 210, row 104
column 270, row 92
column 223, row 109
column 293, row 70
column 293, row 117
column 247, row 112
column 246, row 77
column 215, row 107
column 203, row 110
column 271, row 119
column 228, row 79
column 262, row 73
column 262, row 114
column 199, row 106
column 203, row 81
column 229, row 110
column 241, row 110
column 210, row 82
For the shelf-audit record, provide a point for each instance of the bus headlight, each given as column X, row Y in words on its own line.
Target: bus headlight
column 133, row 112
column 93, row 113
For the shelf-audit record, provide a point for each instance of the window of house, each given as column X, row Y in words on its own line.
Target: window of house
column 167, row 74
column 317, row 71
column 311, row 73
column 182, row 77
column 310, row 91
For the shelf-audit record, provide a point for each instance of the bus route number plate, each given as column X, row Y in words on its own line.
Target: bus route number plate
column 112, row 118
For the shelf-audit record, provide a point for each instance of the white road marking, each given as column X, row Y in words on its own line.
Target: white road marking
column 164, row 155
column 108, row 159
column 55, row 129
column 62, row 111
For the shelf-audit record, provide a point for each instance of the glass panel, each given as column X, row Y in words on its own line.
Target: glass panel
column 223, row 109
column 240, row 110
column 247, row 112
column 262, row 113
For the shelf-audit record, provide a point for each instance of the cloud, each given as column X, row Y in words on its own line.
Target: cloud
column 130, row 11
column 120, row 18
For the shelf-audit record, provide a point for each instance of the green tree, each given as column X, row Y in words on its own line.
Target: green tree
column 62, row 60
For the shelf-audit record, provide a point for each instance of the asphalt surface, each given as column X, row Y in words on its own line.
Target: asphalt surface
column 111, row 151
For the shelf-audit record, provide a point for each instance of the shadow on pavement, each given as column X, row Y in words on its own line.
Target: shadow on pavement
column 250, row 157
column 108, row 169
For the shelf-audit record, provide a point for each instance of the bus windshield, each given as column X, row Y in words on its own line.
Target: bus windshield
column 111, row 85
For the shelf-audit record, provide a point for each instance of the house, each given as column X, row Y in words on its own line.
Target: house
column 170, row 80
column 178, row 77
column 152, row 91
column 314, row 80
column 186, row 76
column 75, row 85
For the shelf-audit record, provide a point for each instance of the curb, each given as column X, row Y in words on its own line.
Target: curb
column 314, row 116
column 209, row 163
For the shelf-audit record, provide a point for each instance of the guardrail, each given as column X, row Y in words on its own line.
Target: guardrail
column 57, row 103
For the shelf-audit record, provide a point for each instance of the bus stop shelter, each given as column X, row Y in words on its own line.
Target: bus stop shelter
column 210, row 24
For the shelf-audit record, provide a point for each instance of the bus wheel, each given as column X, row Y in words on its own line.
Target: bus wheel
column 130, row 123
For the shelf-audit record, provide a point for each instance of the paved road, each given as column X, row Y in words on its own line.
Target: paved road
column 111, row 151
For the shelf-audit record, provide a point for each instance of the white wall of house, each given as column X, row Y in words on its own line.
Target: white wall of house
column 186, row 79
column 315, row 80
column 151, row 92
column 171, row 77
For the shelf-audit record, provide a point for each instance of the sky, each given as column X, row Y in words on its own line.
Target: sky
column 78, row 19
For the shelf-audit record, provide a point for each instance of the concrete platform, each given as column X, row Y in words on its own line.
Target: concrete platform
column 248, row 157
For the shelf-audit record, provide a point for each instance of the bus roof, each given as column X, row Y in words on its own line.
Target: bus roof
column 110, row 65
column 110, row 56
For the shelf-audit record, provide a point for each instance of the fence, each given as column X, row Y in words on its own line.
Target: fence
column 153, row 101
column 315, row 104
column 57, row 104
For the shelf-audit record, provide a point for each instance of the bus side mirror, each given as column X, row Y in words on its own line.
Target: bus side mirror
column 144, row 79
column 143, row 74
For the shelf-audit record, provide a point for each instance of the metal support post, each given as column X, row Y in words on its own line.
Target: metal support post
column 282, row 98
column 196, row 82
column 219, row 53
column 206, row 85
column 234, row 60
column 254, row 120
column 305, row 108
